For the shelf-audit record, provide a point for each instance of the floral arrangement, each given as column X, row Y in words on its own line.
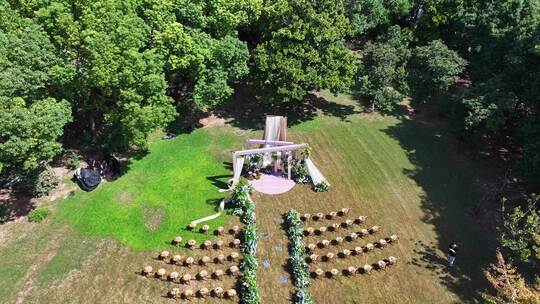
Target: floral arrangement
column 323, row 186
column 306, row 152
column 245, row 209
column 297, row 263
column 254, row 162
column 240, row 197
column 299, row 172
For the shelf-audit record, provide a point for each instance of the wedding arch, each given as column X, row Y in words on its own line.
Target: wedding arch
column 278, row 154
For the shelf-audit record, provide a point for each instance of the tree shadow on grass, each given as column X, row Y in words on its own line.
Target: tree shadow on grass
column 17, row 203
column 214, row 202
column 219, row 181
column 449, row 194
column 245, row 111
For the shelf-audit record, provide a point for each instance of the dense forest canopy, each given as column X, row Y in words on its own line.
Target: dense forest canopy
column 113, row 71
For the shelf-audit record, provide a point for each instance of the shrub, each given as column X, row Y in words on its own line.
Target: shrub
column 302, row 296
column 240, row 198
column 519, row 232
column 297, row 250
column 245, row 209
column 323, row 186
column 73, row 160
column 254, row 162
column 5, row 212
column 299, row 172
column 38, row 215
column 45, row 182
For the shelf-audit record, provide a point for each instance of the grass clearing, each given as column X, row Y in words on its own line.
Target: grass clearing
column 397, row 172
column 156, row 198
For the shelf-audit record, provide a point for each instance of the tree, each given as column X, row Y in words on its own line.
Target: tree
column 302, row 48
column 383, row 78
column 31, row 121
column 29, row 133
column 487, row 105
column 219, row 18
column 508, row 284
column 368, row 14
column 119, row 88
column 434, row 67
column 206, row 64
column 520, row 232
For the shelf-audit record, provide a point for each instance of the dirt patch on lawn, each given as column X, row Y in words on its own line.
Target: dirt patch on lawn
column 212, row 121
column 153, row 218
column 125, row 197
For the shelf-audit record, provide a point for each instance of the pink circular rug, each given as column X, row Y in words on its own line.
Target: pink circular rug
column 272, row 184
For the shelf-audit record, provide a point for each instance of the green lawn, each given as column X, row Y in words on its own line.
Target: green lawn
column 157, row 197
column 402, row 175
column 399, row 172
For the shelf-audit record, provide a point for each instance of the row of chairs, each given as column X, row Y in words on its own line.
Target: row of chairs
column 202, row 293
column 351, row 270
column 335, row 226
column 339, row 240
column 187, row 278
column 328, row 257
column 321, row 216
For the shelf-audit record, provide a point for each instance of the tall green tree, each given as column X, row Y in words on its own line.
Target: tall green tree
column 30, row 132
column 383, row 76
column 31, row 121
column 199, row 42
column 520, row 232
column 303, row 48
column 119, row 88
column 434, row 67
column 500, row 41
column 369, row 14
column 201, row 65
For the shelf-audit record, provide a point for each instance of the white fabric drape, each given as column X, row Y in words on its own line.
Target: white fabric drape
column 237, row 170
column 315, row 174
column 271, row 132
column 221, row 207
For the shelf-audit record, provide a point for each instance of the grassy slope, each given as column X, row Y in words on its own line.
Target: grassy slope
column 169, row 187
column 397, row 172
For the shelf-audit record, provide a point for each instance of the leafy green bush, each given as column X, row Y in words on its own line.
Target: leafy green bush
column 38, row 215
column 45, row 182
column 5, row 211
column 245, row 209
column 240, row 197
column 520, row 230
column 323, row 186
column 299, row 172
column 297, row 250
column 302, row 296
column 254, row 162
column 73, row 160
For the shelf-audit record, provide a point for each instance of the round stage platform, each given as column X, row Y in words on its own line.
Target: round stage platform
column 272, row 184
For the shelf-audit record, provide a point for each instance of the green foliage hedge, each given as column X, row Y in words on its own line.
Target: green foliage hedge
column 45, row 182
column 297, row 251
column 520, row 230
column 38, row 215
column 323, row 186
column 73, row 160
column 245, row 209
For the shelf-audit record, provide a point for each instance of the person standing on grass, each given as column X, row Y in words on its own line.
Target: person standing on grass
column 452, row 252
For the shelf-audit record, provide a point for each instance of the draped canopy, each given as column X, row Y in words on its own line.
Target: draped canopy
column 274, row 141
